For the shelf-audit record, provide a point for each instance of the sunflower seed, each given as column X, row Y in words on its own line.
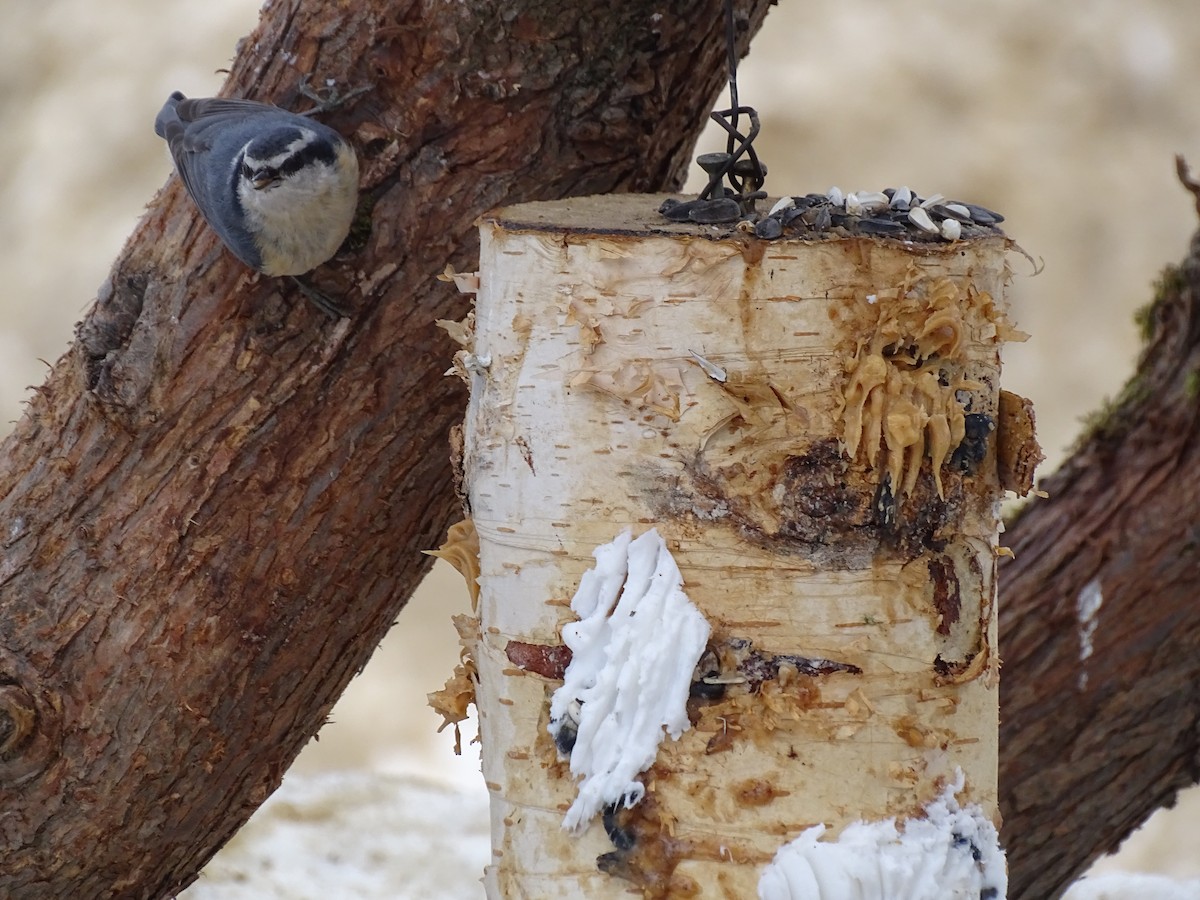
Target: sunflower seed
column 678, row 211
column 901, row 198
column 875, row 225
column 781, row 204
column 892, row 212
column 872, row 201
column 769, row 228
column 982, row 215
column 945, row 211
column 919, row 217
column 715, row 212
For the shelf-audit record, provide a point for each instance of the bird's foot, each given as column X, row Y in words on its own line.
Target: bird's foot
column 321, row 301
column 329, row 99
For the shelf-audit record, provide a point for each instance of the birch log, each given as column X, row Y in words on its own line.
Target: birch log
column 810, row 427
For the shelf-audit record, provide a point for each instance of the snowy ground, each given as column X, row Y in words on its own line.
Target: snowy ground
column 368, row 836
column 1062, row 118
column 357, row 836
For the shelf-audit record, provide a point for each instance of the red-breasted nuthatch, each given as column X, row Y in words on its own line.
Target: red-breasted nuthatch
column 279, row 189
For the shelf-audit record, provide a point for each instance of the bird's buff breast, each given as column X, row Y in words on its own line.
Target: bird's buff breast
column 299, row 226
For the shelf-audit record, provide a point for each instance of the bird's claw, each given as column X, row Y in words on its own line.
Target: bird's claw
column 321, row 301
column 330, row 99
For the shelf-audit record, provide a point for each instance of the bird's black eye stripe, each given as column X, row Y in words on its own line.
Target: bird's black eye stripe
column 316, row 151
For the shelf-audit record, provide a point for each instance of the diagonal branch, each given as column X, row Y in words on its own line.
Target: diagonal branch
column 212, row 510
column 1099, row 623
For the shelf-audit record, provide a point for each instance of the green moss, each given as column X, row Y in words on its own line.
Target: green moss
column 360, row 228
column 1191, row 385
column 1093, row 423
column 1107, row 421
column 1169, row 282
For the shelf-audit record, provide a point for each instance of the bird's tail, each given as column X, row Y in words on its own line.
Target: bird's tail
column 168, row 118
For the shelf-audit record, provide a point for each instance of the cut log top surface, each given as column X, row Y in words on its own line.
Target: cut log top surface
column 637, row 215
column 633, row 214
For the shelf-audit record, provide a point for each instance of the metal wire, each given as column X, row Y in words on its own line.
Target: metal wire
column 739, row 164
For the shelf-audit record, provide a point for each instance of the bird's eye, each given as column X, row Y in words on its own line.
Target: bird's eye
column 247, row 172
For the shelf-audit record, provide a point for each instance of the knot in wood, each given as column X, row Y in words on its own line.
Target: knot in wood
column 18, row 718
column 29, row 732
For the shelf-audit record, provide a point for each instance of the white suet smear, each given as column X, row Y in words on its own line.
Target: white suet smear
column 1087, row 605
column 630, row 673
column 952, row 853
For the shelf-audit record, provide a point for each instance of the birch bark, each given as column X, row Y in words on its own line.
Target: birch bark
column 810, row 427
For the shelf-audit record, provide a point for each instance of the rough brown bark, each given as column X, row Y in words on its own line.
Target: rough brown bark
column 212, row 510
column 1084, row 760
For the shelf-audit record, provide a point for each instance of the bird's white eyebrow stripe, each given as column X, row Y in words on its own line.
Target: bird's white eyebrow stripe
column 296, row 155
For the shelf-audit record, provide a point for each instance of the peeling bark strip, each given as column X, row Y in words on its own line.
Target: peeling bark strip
column 547, row 660
column 811, row 427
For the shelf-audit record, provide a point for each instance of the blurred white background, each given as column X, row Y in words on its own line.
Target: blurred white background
column 1064, row 117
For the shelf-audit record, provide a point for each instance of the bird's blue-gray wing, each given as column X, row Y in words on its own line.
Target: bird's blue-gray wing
column 192, row 126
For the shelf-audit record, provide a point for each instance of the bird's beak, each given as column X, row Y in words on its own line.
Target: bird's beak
column 263, row 180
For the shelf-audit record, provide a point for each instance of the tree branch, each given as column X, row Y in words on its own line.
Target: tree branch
column 212, row 510
column 1098, row 618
